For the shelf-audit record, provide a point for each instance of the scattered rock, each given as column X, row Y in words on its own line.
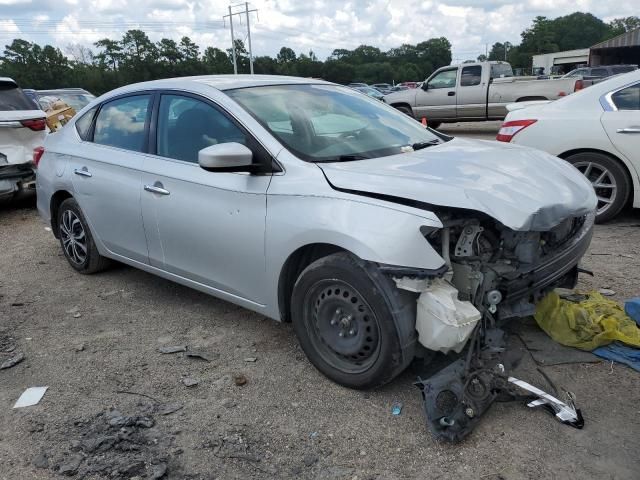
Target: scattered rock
column 228, row 403
column 198, row 354
column 168, row 408
column 41, row 461
column 16, row 359
column 110, row 293
column 239, row 380
column 132, row 468
column 77, row 315
column 158, row 471
column 250, row 359
column 190, row 382
column 73, row 310
column 309, row 459
column 71, row 465
column 173, row 349
column 79, row 347
column 17, row 304
column 607, row 292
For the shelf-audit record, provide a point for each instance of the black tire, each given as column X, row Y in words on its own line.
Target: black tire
column 600, row 163
column 433, row 125
column 406, row 110
column 341, row 293
column 80, row 251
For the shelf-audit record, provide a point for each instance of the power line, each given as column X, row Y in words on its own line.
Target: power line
column 233, row 42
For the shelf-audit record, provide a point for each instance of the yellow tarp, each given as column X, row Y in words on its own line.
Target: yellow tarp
column 587, row 324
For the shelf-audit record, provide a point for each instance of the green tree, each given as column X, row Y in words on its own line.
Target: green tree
column 216, row 61
column 621, row 25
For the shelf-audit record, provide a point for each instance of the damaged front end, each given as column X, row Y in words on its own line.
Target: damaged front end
column 493, row 274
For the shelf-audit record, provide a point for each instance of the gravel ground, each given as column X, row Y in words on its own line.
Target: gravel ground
column 93, row 338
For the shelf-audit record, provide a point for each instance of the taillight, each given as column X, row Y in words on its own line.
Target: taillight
column 35, row 124
column 509, row 129
column 37, row 155
column 579, row 85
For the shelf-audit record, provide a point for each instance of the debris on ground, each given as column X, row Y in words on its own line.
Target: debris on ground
column 168, row 408
column 199, row 354
column 632, row 308
column 250, row 359
column 607, row 292
column 619, row 352
column 239, row 380
column 114, row 445
column 13, row 361
column 41, row 461
column 173, row 349
column 31, row 396
column 190, row 381
column 396, row 408
column 586, row 324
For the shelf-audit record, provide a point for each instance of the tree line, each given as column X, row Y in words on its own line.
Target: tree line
column 134, row 58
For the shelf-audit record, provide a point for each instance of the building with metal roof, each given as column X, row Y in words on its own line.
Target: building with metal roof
column 623, row 49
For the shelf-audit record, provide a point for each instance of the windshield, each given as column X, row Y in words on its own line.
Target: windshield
column 331, row 123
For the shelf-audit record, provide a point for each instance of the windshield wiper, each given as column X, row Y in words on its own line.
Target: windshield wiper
column 421, row 145
column 342, row 158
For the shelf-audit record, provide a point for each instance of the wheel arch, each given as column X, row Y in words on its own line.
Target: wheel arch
column 54, row 205
column 531, row 98
column 401, row 104
column 293, row 267
column 626, row 168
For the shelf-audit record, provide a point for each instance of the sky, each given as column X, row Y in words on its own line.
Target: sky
column 318, row 25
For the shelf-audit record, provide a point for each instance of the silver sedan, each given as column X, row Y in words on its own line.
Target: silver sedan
column 312, row 203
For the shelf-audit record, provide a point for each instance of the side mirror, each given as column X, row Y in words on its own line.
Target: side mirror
column 425, row 86
column 226, row 157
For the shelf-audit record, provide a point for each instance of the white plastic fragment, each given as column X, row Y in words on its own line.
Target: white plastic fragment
column 31, row 396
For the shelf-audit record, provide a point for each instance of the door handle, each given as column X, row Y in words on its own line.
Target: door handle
column 629, row 130
column 157, row 188
column 83, row 172
column 451, row 94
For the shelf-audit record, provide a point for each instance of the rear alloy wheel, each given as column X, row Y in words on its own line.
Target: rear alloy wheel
column 76, row 240
column 609, row 181
column 342, row 314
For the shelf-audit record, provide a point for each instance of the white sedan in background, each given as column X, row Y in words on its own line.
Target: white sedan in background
column 596, row 129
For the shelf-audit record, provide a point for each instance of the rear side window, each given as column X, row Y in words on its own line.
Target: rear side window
column 599, row 72
column 627, row 98
column 83, row 124
column 501, row 70
column 122, row 123
column 471, row 76
column 617, row 70
column 13, row 98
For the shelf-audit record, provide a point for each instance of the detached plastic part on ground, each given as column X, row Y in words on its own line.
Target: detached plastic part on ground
column 457, row 396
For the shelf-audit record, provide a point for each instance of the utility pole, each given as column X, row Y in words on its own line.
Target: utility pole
column 233, row 43
column 246, row 10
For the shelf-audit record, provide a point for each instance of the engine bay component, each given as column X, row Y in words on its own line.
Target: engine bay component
column 443, row 322
column 456, row 397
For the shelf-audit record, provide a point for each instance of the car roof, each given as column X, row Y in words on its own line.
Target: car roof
column 221, row 82
column 8, row 80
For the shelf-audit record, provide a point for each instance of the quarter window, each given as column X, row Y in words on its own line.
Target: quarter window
column 627, row 98
column 122, row 123
column 83, row 124
column 471, row 76
column 445, row 79
column 187, row 125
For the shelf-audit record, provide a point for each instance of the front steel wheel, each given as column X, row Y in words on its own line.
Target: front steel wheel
column 352, row 322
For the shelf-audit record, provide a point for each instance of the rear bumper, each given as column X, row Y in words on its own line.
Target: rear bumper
column 15, row 179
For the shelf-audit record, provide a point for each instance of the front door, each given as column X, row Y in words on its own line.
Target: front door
column 208, row 227
column 436, row 100
column 471, row 94
column 106, row 176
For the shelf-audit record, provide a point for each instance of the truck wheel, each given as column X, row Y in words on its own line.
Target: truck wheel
column 405, row 110
column 353, row 324
column 433, row 125
column 609, row 179
column 76, row 240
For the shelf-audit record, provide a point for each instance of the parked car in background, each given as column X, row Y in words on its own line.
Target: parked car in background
column 475, row 91
column 22, row 134
column 76, row 98
column 597, row 130
column 370, row 91
column 383, row 87
column 592, row 75
column 312, row 203
column 399, row 88
column 357, row 84
column 410, row 84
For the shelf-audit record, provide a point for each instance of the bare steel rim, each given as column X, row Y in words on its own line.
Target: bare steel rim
column 342, row 326
column 74, row 238
column 603, row 181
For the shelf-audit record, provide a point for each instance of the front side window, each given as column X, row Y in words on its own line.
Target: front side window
column 187, row 125
column 627, row 98
column 122, row 123
column 324, row 123
column 83, row 124
column 471, row 76
column 445, row 79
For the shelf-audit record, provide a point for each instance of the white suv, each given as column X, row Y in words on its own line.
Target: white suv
column 22, row 134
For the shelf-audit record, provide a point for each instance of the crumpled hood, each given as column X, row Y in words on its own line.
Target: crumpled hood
column 522, row 188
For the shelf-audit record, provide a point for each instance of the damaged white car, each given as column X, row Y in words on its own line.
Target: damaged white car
column 311, row 203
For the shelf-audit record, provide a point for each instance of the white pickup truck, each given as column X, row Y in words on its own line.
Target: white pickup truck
column 472, row 92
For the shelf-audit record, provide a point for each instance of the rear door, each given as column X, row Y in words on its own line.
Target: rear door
column 622, row 122
column 471, row 93
column 106, row 174
column 22, row 127
column 436, row 100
